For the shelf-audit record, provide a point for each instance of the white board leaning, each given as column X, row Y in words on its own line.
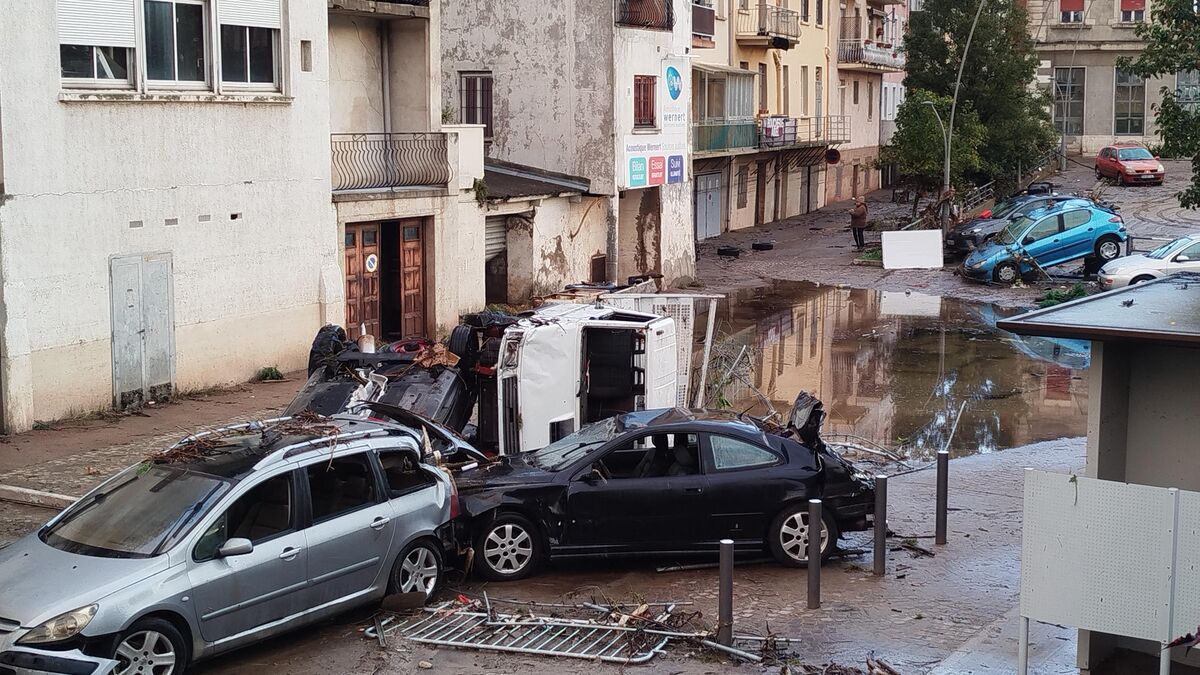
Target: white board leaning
column 916, row 249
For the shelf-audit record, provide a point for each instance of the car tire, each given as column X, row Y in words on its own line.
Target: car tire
column 150, row 645
column 508, row 548
column 417, row 568
column 1108, row 248
column 1138, row 280
column 1099, row 175
column 464, row 345
column 788, row 541
column 1007, row 273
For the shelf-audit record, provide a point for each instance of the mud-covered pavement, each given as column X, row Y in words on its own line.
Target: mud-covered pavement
column 818, row 246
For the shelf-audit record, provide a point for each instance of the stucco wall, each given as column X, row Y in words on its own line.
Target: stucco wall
column 355, row 75
column 553, row 244
column 551, row 63
column 247, row 292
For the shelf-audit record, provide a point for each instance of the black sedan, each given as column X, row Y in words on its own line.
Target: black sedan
column 661, row 482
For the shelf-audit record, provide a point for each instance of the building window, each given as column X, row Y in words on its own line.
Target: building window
column 804, row 90
column 1187, row 89
column 176, row 41
column 475, row 101
column 854, row 89
column 743, row 187
column 1068, row 100
column 1070, row 11
column 1130, row 117
column 110, row 64
column 762, row 87
column 820, row 12
column 787, row 92
column 1133, row 11
column 804, row 10
column 644, row 116
column 249, row 55
column 870, row 101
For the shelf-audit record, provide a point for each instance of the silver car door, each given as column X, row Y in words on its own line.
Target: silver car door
column 350, row 536
column 1187, row 260
column 236, row 594
column 419, row 497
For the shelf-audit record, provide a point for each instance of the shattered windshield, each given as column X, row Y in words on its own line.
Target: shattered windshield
column 561, row 453
column 1165, row 250
column 138, row 514
column 1013, row 230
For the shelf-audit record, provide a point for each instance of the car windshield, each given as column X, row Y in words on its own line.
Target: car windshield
column 1165, row 250
column 1003, row 209
column 1013, row 230
column 561, row 453
column 1134, row 153
column 138, row 514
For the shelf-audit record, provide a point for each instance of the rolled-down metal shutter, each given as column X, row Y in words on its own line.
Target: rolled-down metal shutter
column 257, row 13
column 495, row 236
column 96, row 23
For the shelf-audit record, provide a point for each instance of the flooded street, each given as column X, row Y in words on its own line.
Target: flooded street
column 895, row 368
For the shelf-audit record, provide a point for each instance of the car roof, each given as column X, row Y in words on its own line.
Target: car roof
column 236, row 451
column 1063, row 205
column 697, row 419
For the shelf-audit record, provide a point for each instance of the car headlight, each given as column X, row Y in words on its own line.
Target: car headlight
column 977, row 264
column 61, row 627
column 1129, row 170
column 1161, row 168
column 977, row 230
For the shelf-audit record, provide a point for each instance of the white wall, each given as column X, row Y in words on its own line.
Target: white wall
column 556, row 246
column 247, row 293
column 355, row 75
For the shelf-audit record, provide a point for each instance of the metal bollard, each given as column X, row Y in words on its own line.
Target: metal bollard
column 725, row 595
column 880, row 525
column 943, row 482
column 814, row 554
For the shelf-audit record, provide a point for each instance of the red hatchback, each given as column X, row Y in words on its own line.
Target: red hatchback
column 1129, row 164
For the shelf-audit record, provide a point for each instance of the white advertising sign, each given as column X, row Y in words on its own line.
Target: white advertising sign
column 660, row 158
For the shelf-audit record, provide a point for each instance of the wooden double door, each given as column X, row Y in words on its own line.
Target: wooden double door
column 385, row 279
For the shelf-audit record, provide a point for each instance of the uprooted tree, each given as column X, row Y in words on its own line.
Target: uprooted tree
column 1000, row 66
column 918, row 149
column 1172, row 38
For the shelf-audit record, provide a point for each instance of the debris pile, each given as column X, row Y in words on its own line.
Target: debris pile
column 209, row 443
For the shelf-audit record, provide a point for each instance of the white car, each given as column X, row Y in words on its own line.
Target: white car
column 1181, row 255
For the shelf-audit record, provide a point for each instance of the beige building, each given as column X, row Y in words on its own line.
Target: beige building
column 761, row 122
column 868, row 42
column 1095, row 103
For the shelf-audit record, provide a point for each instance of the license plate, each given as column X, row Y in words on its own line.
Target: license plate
column 1148, row 177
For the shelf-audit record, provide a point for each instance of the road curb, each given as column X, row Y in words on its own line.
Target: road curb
column 20, row 495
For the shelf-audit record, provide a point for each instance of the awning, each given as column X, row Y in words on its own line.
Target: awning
column 719, row 69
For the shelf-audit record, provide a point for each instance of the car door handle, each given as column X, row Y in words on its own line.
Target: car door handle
column 379, row 522
column 693, row 491
column 289, row 553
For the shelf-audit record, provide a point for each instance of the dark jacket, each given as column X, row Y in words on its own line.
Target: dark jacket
column 858, row 216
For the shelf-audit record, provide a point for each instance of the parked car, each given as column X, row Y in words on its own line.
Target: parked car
column 971, row 234
column 1047, row 237
column 228, row 537
column 1181, row 255
column 659, row 482
column 1129, row 164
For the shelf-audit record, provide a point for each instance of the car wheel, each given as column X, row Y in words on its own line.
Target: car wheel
column 150, row 647
column 1098, row 174
column 464, row 345
column 508, row 548
column 1108, row 248
column 1138, row 280
column 788, row 536
column 418, row 569
column 1006, row 273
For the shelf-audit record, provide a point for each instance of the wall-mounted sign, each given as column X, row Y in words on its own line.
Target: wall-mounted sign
column 372, row 262
column 660, row 157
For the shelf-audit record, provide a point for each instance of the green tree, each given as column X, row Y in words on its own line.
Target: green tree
column 1172, row 38
column 996, row 82
column 918, row 148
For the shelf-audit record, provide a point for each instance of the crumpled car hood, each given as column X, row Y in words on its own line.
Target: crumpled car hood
column 40, row 582
column 505, row 472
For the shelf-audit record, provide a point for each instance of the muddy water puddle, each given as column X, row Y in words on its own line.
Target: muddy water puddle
column 896, row 368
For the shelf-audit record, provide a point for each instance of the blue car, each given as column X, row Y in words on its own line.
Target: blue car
column 1047, row 237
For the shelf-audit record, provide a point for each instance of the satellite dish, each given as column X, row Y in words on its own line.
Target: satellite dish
column 833, row 156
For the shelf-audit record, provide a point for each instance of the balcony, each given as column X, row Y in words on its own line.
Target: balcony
column 704, row 24
column 652, row 14
column 376, row 161
column 768, row 25
column 721, row 136
column 778, row 132
column 865, row 55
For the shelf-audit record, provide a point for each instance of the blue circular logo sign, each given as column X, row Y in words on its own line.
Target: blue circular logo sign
column 674, row 83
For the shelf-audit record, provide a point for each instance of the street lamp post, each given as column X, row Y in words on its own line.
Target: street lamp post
column 945, row 147
column 953, row 109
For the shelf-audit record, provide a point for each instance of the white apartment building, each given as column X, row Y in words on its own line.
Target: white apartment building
column 168, row 219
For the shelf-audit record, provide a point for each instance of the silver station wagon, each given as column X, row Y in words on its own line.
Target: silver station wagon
column 228, row 537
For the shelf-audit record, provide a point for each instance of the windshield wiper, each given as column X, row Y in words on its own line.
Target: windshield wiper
column 186, row 518
column 95, row 499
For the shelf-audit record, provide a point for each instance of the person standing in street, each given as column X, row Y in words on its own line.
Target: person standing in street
column 858, row 222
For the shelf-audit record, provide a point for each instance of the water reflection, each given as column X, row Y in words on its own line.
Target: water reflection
column 896, row 367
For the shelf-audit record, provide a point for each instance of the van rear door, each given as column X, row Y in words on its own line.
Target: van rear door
column 662, row 372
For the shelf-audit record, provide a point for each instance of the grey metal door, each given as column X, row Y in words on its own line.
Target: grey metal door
column 708, row 205
column 143, row 329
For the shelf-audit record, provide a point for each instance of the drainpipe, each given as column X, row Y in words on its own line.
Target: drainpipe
column 612, row 248
column 385, row 29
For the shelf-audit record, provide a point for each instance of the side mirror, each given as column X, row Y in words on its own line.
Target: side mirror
column 1183, row 258
column 234, row 547
column 1028, row 240
column 593, row 477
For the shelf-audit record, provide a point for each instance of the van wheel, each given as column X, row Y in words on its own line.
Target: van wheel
column 1108, row 248
column 1006, row 273
column 418, row 569
column 788, row 536
column 508, row 548
column 464, row 345
column 150, row 646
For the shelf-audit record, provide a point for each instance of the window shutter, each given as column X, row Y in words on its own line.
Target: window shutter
column 1130, row 5
column 1070, row 5
column 96, row 23
column 257, row 13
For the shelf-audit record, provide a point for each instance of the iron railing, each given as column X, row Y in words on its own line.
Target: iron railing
column 781, row 132
column 714, row 136
column 770, row 21
column 977, row 196
column 377, row 160
column 658, row 14
column 852, row 50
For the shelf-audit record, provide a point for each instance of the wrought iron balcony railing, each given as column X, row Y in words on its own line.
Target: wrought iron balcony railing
column 375, row 160
column 659, row 14
column 782, row 132
column 770, row 21
column 718, row 135
column 866, row 52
